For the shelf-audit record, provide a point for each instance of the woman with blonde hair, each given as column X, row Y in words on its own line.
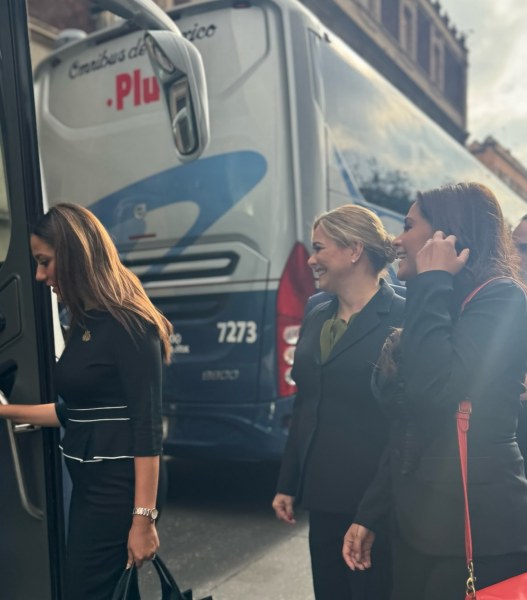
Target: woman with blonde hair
column 109, row 377
column 338, row 433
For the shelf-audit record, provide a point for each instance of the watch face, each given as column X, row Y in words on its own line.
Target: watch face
column 154, row 514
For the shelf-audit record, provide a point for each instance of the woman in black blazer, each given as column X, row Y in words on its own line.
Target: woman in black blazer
column 338, row 432
column 455, row 239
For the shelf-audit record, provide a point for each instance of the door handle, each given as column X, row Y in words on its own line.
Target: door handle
column 28, row 506
column 24, row 427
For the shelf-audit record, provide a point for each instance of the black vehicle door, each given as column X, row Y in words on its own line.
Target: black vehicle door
column 31, row 521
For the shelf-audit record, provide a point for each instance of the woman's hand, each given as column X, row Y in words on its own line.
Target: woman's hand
column 283, row 508
column 439, row 254
column 356, row 550
column 143, row 541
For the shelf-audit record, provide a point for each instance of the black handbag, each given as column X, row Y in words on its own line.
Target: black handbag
column 169, row 588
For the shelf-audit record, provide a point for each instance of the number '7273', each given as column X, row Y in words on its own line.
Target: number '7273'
column 237, row 332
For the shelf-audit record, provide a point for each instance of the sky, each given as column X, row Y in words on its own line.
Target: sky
column 497, row 76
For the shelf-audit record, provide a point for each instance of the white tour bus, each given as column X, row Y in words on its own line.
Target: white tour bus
column 299, row 124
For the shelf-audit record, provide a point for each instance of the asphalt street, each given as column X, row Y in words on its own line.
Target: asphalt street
column 219, row 535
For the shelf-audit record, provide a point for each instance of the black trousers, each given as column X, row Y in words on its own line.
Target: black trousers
column 100, row 519
column 332, row 579
column 418, row 576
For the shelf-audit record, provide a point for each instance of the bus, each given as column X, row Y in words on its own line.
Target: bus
column 31, row 515
column 299, row 124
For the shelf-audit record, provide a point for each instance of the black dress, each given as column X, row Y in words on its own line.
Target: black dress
column 110, row 382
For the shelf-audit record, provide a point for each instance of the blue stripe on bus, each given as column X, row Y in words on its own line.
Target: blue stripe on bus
column 215, row 184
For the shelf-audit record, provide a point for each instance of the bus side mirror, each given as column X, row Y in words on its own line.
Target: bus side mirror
column 179, row 70
column 181, row 76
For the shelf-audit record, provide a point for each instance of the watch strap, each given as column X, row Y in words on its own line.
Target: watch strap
column 151, row 513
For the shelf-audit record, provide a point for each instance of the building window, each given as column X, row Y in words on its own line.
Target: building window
column 369, row 5
column 407, row 31
column 390, row 16
column 437, row 66
column 454, row 80
column 423, row 40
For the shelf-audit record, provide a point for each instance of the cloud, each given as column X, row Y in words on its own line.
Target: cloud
column 497, row 98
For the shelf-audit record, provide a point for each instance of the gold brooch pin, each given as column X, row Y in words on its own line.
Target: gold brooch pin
column 86, row 336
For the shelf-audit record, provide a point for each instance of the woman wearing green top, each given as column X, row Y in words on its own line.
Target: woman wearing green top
column 338, row 433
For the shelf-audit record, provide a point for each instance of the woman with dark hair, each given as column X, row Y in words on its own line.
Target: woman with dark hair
column 338, row 432
column 109, row 377
column 455, row 239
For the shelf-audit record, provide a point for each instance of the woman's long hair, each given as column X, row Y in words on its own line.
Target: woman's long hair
column 89, row 272
column 471, row 212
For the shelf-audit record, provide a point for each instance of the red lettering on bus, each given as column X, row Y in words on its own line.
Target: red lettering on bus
column 137, row 87
column 123, row 86
column 150, row 90
column 144, row 90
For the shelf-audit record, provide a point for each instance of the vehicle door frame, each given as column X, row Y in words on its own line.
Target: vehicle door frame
column 35, row 336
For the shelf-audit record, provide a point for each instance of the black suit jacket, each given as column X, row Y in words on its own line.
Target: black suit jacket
column 338, row 431
column 321, row 296
column 444, row 359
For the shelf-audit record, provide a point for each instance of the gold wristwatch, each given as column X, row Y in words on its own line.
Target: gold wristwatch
column 151, row 513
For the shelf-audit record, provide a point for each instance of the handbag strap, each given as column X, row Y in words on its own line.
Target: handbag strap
column 474, row 292
column 169, row 588
column 463, row 423
column 122, row 589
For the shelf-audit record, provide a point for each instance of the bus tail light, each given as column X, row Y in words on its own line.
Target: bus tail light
column 296, row 285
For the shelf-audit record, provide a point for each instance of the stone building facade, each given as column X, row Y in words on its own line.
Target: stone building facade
column 502, row 163
column 47, row 18
column 414, row 45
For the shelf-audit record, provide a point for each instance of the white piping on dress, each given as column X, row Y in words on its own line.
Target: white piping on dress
column 94, row 459
column 98, row 408
column 97, row 420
